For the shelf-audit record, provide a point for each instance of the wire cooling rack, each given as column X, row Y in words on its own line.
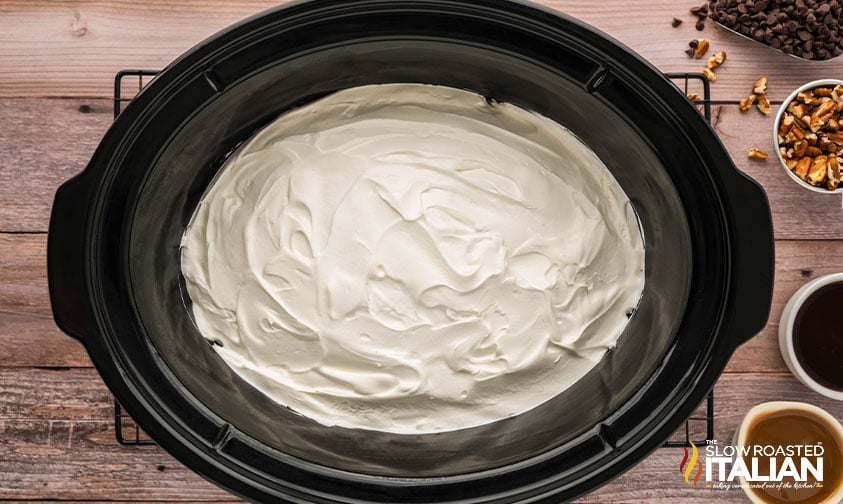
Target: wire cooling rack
column 128, row 83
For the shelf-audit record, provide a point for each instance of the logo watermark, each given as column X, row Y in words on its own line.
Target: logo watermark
column 754, row 466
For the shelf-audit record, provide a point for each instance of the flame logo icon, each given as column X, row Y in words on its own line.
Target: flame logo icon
column 689, row 468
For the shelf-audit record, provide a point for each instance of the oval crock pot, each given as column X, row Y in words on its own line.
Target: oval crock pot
column 115, row 283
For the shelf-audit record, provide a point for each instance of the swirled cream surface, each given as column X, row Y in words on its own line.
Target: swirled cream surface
column 412, row 259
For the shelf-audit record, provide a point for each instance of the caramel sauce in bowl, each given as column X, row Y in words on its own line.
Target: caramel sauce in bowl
column 799, row 447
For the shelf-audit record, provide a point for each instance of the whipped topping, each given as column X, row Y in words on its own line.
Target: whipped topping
column 412, row 259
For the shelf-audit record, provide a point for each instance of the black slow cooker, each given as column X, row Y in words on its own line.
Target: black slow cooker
column 115, row 281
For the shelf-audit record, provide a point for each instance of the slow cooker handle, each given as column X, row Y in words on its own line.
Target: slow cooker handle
column 753, row 259
column 66, row 259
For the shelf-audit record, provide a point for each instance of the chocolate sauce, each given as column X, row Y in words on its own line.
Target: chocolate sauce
column 818, row 336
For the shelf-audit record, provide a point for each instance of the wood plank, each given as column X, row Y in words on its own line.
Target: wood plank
column 72, row 459
column 57, row 440
column 51, row 140
column 31, row 394
column 42, row 144
column 59, row 444
column 33, row 340
column 73, row 48
column 29, row 337
column 28, row 334
column 23, row 274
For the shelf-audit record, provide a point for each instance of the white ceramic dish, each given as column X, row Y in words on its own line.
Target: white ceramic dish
column 777, row 123
column 788, row 318
column 770, row 407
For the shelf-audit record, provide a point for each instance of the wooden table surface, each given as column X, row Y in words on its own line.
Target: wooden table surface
column 57, row 62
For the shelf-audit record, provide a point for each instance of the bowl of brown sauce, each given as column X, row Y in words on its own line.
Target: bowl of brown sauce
column 811, row 335
column 795, row 452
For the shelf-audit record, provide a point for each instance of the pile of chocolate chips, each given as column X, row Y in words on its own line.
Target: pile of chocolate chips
column 810, row 29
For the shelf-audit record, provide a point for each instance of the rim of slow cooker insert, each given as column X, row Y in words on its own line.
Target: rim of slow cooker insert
column 138, row 396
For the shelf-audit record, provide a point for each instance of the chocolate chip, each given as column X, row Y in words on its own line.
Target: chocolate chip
column 810, row 29
column 701, row 11
column 676, row 22
column 700, row 26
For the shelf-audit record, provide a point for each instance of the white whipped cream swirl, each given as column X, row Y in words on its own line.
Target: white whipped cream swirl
column 412, row 259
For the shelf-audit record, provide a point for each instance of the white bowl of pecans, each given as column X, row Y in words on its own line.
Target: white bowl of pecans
column 809, row 135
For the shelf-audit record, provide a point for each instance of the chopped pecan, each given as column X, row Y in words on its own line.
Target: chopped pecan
column 825, row 112
column 760, row 86
column 757, row 154
column 797, row 109
column 747, row 102
column 800, row 148
column 818, row 171
column 807, row 98
column 718, row 59
column 833, row 173
column 764, row 105
column 812, row 151
column 701, row 48
column 810, row 136
column 785, row 126
column 802, row 167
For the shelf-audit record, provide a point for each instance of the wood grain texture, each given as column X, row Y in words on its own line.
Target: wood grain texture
column 57, row 442
column 73, row 459
column 28, row 334
column 73, row 48
column 51, row 140
column 42, row 144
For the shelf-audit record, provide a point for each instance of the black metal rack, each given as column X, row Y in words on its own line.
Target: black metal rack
column 128, row 83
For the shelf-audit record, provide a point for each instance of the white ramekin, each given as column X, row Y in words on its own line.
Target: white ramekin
column 777, row 123
column 771, row 407
column 786, row 334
